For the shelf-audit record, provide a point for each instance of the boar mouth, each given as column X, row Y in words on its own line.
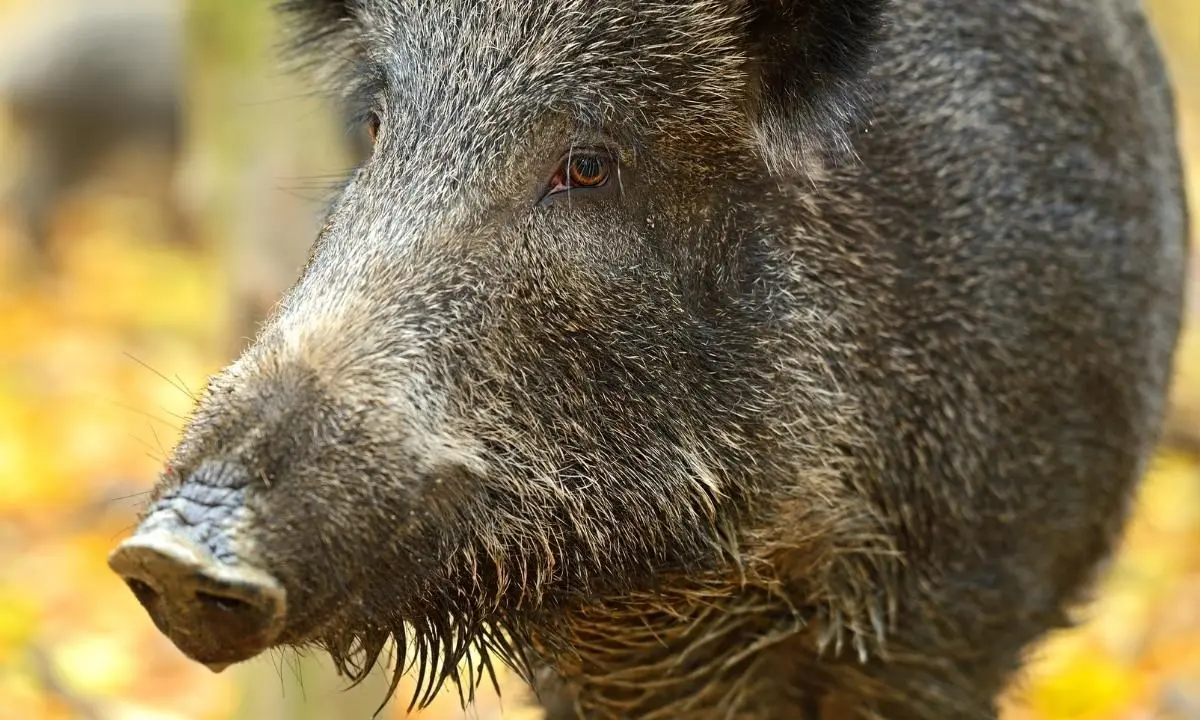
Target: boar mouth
column 437, row 644
column 189, row 565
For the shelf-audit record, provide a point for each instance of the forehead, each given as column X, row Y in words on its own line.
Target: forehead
column 600, row 61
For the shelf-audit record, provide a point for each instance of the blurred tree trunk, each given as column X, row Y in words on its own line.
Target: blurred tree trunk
column 225, row 58
column 240, row 143
column 263, row 155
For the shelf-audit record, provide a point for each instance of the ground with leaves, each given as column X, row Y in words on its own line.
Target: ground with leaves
column 96, row 358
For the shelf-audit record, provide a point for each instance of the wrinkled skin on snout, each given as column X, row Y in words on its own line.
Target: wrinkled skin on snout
column 692, row 357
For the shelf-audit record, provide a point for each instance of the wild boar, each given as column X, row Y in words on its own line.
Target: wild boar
column 697, row 358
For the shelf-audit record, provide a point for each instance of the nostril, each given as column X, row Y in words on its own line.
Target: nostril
column 145, row 594
column 224, row 603
column 215, row 612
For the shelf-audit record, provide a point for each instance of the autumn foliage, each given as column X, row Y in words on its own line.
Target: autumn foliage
column 101, row 348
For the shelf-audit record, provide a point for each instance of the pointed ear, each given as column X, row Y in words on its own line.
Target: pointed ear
column 809, row 60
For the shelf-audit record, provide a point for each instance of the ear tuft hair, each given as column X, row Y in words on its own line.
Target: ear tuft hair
column 321, row 38
column 313, row 26
column 809, row 64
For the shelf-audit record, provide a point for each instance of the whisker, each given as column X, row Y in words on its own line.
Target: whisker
column 178, row 385
column 145, row 413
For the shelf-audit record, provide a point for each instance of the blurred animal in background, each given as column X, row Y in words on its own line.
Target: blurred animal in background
column 85, row 81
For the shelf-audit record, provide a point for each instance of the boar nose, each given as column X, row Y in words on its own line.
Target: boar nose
column 215, row 613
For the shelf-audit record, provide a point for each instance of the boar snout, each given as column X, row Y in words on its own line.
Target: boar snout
column 181, row 566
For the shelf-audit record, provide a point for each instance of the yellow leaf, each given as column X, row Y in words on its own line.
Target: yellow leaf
column 95, row 664
column 21, row 472
column 19, row 619
column 1089, row 685
column 21, row 697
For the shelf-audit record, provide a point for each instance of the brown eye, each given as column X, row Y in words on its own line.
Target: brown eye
column 373, row 123
column 587, row 171
column 580, row 170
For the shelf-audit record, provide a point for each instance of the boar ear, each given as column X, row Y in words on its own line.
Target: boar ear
column 313, row 24
column 329, row 10
column 321, row 38
column 809, row 60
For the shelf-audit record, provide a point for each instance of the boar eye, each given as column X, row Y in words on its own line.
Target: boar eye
column 372, row 124
column 587, row 171
column 580, row 170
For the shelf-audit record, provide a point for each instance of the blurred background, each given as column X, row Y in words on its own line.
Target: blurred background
column 161, row 177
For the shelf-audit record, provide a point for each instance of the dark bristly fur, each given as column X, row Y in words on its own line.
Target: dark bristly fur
column 829, row 405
